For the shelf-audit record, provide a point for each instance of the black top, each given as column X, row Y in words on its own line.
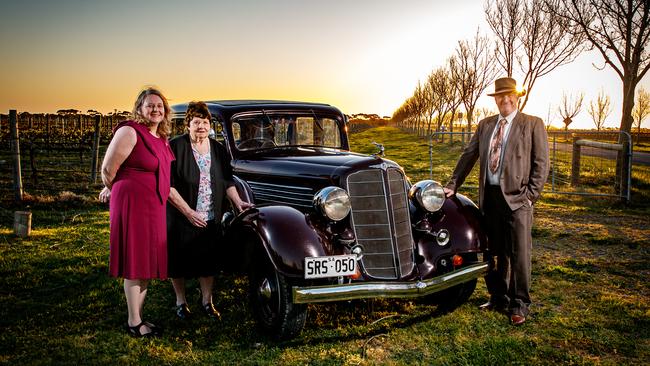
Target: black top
column 185, row 177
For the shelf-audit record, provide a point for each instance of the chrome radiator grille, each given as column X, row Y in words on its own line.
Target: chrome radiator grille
column 283, row 194
column 381, row 222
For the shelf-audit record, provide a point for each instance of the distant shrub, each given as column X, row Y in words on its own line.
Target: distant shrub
column 62, row 200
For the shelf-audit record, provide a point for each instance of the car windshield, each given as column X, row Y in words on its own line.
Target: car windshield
column 272, row 130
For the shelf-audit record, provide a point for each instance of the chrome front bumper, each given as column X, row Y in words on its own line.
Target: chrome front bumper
column 352, row 291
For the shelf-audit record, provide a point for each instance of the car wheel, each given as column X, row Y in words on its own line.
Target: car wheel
column 451, row 298
column 456, row 296
column 270, row 298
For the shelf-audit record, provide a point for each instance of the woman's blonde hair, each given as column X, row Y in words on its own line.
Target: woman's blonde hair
column 165, row 126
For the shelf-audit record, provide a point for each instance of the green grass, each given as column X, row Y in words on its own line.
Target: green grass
column 412, row 153
column 590, row 290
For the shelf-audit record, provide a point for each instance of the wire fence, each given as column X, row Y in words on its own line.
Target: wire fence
column 57, row 155
column 58, row 152
column 588, row 163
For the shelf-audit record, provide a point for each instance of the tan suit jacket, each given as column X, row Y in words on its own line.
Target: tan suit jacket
column 525, row 160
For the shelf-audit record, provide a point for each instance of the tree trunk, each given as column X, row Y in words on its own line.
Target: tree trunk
column 622, row 166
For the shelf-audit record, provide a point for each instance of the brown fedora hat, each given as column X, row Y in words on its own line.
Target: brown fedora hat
column 506, row 86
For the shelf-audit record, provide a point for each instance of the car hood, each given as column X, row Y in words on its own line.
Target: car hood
column 298, row 164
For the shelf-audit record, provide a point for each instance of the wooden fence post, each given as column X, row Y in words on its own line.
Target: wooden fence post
column 575, row 162
column 15, row 149
column 81, row 140
column 95, row 159
column 47, row 131
column 22, row 223
column 626, row 158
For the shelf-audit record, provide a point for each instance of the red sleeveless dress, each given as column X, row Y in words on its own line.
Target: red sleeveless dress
column 138, row 238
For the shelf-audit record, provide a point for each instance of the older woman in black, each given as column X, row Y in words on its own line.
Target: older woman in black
column 201, row 178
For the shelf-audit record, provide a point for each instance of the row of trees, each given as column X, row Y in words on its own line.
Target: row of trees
column 67, row 128
column 600, row 108
column 461, row 81
column 532, row 38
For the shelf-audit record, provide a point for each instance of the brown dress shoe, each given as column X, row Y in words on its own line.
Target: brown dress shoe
column 517, row 319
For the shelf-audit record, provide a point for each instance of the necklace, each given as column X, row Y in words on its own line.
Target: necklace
column 202, row 147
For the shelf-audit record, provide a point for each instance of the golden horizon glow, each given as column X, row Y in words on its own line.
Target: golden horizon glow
column 362, row 56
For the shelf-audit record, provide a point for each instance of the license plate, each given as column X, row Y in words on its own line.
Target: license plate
column 330, row 266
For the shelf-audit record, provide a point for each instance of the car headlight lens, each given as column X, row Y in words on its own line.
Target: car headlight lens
column 333, row 202
column 429, row 195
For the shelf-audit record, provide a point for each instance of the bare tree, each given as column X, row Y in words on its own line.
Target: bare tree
column 432, row 100
column 619, row 30
column 599, row 109
column 569, row 108
column 641, row 109
column 549, row 119
column 442, row 87
column 533, row 36
column 476, row 70
column 453, row 96
column 506, row 20
column 410, row 114
column 416, row 103
column 418, row 107
column 486, row 112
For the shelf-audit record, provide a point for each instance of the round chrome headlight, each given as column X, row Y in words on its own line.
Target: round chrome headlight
column 333, row 202
column 429, row 195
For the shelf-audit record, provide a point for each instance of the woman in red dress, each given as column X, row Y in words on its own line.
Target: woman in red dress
column 136, row 171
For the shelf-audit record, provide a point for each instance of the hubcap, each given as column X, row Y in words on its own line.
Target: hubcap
column 265, row 289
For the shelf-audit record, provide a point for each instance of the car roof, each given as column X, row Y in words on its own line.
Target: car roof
column 235, row 102
column 227, row 108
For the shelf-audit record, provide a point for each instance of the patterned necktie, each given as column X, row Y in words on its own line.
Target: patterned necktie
column 495, row 146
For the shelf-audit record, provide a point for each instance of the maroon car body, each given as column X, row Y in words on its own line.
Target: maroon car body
column 292, row 160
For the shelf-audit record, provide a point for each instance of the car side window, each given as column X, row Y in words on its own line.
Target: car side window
column 216, row 131
column 236, row 132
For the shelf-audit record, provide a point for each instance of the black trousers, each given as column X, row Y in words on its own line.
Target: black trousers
column 509, row 245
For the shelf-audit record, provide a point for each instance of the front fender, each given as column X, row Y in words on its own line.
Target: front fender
column 462, row 220
column 283, row 233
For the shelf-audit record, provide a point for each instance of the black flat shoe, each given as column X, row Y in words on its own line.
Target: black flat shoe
column 183, row 312
column 210, row 311
column 136, row 332
column 156, row 330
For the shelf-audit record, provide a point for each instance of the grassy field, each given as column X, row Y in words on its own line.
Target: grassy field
column 591, row 265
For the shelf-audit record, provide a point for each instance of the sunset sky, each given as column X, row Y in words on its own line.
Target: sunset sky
column 361, row 56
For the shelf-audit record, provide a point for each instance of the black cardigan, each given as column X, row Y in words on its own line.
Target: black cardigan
column 185, row 176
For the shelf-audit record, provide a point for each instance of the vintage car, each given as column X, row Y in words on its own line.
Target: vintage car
column 333, row 225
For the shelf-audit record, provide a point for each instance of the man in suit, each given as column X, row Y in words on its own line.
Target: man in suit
column 512, row 149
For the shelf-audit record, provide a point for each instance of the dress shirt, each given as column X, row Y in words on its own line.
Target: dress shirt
column 493, row 179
